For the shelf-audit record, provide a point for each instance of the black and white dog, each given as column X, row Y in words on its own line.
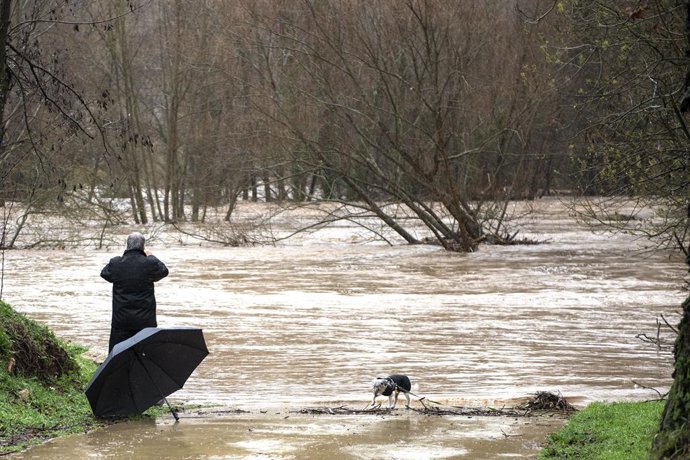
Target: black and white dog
column 392, row 386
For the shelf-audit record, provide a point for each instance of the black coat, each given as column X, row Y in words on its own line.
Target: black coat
column 134, row 300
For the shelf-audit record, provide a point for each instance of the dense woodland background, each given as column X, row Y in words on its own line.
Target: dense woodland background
column 156, row 111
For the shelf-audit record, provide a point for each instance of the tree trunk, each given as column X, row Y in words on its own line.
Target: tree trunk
column 282, row 192
column 673, row 438
column 231, row 206
column 5, row 9
column 255, row 193
column 376, row 209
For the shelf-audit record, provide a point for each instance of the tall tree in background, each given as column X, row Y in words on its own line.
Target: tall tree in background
column 629, row 64
column 5, row 82
column 123, row 100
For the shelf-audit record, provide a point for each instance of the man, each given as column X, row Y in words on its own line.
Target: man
column 134, row 300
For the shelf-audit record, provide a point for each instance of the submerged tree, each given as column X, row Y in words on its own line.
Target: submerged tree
column 389, row 105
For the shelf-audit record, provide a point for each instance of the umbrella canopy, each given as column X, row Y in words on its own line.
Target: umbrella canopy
column 144, row 369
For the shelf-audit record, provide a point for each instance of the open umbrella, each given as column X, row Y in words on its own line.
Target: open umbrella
column 144, row 369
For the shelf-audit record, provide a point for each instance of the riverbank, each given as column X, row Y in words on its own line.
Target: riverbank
column 617, row 431
column 41, row 384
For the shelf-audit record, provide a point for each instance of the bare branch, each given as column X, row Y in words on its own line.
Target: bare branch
column 538, row 19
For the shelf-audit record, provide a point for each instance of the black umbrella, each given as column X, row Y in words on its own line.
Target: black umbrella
column 144, row 369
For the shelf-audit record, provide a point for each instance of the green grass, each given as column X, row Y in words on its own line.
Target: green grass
column 617, row 431
column 31, row 410
column 42, row 381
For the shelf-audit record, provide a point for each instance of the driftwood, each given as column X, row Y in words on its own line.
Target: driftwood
column 542, row 403
column 425, row 410
column 548, row 402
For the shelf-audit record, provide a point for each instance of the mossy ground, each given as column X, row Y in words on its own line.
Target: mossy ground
column 616, row 431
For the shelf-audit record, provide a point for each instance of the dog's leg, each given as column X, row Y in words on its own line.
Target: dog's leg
column 391, row 402
column 394, row 399
column 407, row 396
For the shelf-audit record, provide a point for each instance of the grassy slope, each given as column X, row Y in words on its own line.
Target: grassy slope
column 617, row 431
column 39, row 405
column 31, row 411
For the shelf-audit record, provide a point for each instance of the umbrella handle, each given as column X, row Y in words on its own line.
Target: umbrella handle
column 141, row 361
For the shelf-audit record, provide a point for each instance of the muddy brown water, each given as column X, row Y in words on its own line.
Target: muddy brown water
column 311, row 321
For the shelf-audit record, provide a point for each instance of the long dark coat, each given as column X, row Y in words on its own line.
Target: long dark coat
column 134, row 300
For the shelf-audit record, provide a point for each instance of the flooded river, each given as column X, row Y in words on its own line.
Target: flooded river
column 311, row 321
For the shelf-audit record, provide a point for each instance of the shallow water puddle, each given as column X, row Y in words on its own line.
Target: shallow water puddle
column 290, row 436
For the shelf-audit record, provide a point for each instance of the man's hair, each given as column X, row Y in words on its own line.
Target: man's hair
column 136, row 240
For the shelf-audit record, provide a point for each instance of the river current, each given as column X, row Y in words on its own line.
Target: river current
column 312, row 320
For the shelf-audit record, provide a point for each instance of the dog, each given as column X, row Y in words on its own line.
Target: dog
column 392, row 386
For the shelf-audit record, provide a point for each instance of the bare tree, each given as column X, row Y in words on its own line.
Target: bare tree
column 42, row 115
column 388, row 100
column 386, row 106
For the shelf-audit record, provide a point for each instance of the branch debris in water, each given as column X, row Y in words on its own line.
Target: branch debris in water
column 546, row 401
column 542, row 403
